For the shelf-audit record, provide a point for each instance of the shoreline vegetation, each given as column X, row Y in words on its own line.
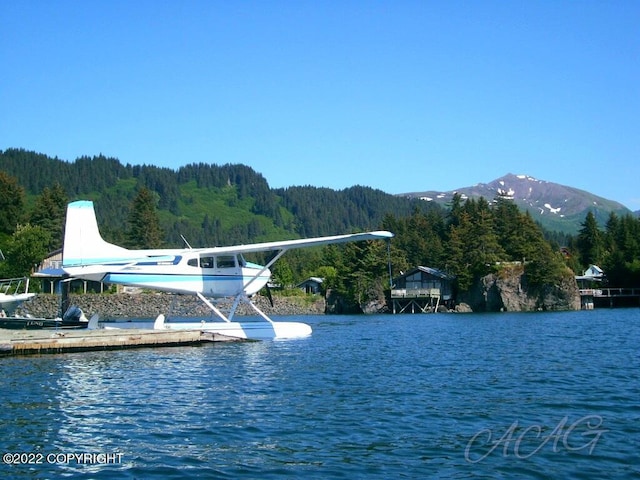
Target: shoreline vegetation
column 119, row 306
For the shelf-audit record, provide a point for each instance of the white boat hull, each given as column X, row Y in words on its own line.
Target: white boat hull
column 9, row 303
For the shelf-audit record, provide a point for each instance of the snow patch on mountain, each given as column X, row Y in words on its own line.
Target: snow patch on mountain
column 551, row 209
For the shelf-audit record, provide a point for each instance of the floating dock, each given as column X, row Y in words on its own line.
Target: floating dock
column 29, row 342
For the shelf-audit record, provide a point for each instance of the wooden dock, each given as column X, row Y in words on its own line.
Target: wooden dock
column 609, row 297
column 28, row 342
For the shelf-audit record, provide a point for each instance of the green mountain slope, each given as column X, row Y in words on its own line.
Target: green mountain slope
column 207, row 204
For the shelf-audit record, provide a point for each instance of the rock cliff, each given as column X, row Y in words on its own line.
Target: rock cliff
column 509, row 291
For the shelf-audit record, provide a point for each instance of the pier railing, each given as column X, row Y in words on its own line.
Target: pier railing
column 415, row 292
column 14, row 286
column 610, row 292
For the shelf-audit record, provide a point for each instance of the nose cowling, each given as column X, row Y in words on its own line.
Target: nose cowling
column 255, row 278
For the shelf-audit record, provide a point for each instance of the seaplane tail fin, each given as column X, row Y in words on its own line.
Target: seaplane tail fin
column 83, row 244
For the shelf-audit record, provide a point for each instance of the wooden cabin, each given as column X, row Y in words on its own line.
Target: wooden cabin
column 422, row 290
column 312, row 285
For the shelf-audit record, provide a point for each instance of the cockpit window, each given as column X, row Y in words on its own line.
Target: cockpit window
column 226, row 261
column 193, row 262
column 206, row 262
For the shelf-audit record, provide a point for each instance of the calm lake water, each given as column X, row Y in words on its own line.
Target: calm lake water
column 545, row 395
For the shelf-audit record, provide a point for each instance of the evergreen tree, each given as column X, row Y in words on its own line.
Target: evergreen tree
column 362, row 266
column 420, row 241
column 509, row 228
column 282, row 273
column 398, row 252
column 482, row 248
column 455, row 211
column 328, row 275
column 334, row 257
column 49, row 213
column 544, row 266
column 24, row 250
column 629, row 238
column 458, row 263
column 144, row 223
column 11, row 204
column 590, row 242
column 621, row 261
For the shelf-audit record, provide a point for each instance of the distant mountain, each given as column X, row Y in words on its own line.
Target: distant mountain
column 556, row 207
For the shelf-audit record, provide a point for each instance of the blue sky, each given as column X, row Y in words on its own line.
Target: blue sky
column 403, row 96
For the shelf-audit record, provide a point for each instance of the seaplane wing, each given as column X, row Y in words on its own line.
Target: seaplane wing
column 301, row 243
column 211, row 272
column 84, row 246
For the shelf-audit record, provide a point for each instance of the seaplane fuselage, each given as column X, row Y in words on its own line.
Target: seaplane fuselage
column 186, row 271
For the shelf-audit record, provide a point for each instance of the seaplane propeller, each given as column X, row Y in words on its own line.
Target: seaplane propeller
column 267, row 289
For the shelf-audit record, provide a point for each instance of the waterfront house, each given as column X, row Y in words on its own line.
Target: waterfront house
column 423, row 289
column 311, row 285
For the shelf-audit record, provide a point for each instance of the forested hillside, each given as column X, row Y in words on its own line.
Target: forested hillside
column 148, row 207
column 207, row 204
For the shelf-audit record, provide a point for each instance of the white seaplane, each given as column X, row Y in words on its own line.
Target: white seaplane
column 210, row 273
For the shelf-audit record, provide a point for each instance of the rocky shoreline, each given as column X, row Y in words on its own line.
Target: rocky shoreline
column 150, row 305
column 506, row 292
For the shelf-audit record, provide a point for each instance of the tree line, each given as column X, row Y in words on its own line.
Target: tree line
column 151, row 207
column 206, row 203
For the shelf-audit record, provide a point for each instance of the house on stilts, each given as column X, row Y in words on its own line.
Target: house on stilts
column 422, row 290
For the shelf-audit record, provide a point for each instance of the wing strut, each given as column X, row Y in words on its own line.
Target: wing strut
column 266, row 267
column 239, row 298
column 258, row 311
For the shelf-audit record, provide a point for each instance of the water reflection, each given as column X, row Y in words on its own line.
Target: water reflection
column 108, row 401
